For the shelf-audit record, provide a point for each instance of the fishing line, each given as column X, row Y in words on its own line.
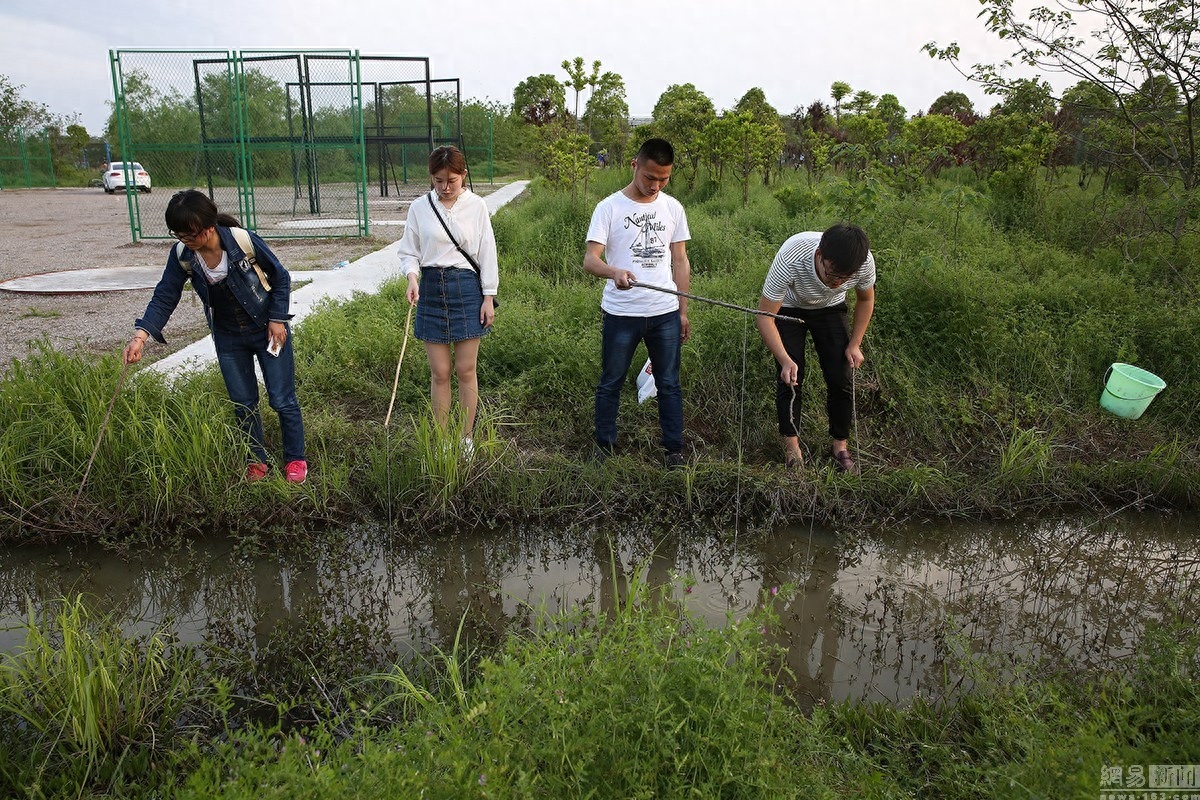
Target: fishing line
column 100, row 436
column 737, row 513
column 854, row 407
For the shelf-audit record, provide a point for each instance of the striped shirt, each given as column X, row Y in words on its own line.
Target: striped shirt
column 792, row 278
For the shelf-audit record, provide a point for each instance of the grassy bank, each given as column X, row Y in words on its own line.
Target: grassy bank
column 644, row 702
column 985, row 361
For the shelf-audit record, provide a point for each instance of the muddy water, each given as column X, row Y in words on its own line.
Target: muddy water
column 876, row 615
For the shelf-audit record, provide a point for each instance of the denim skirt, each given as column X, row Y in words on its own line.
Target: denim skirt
column 448, row 308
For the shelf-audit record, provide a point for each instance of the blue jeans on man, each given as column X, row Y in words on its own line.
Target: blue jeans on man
column 237, row 351
column 619, row 340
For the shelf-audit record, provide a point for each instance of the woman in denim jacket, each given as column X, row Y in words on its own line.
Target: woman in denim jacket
column 246, row 298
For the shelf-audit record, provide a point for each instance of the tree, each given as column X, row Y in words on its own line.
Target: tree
column 953, row 104
column 839, row 91
column 607, row 115
column 923, row 148
column 1027, row 96
column 892, row 113
column 19, row 114
column 541, row 97
column 681, row 115
column 815, row 139
column 862, row 102
column 1132, row 41
column 578, row 79
column 769, row 139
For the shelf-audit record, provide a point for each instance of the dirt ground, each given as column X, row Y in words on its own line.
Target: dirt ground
column 49, row 230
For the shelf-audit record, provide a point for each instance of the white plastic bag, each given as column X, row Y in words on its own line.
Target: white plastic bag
column 645, row 383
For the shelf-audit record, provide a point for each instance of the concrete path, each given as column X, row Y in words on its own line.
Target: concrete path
column 75, row 281
column 366, row 274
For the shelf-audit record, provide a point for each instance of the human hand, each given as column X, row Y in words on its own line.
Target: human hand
column 412, row 294
column 855, row 356
column 277, row 334
column 133, row 351
column 487, row 311
column 789, row 373
column 685, row 326
column 623, row 278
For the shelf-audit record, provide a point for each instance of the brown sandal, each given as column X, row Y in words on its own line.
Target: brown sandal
column 793, row 462
column 842, row 462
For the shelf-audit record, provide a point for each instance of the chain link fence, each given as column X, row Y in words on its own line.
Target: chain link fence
column 26, row 160
column 293, row 143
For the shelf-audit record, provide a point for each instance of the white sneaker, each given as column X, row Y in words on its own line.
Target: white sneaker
column 468, row 447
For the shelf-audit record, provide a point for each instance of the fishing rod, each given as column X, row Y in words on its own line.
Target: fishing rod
column 720, row 303
column 387, row 430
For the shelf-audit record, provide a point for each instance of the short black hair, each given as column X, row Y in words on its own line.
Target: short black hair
column 846, row 247
column 657, row 150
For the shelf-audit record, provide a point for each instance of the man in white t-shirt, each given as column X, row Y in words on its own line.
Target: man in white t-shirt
column 809, row 280
column 637, row 239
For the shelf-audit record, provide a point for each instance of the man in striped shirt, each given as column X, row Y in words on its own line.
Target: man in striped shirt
column 809, row 280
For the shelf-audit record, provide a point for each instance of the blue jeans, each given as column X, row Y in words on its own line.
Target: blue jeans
column 236, row 353
column 619, row 340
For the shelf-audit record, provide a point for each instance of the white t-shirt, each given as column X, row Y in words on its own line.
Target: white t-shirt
column 638, row 237
column 792, row 278
column 220, row 273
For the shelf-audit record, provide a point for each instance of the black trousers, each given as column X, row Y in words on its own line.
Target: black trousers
column 830, row 331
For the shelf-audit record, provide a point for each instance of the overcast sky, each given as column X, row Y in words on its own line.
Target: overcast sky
column 793, row 49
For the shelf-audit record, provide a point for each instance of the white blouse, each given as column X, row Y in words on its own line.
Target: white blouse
column 425, row 243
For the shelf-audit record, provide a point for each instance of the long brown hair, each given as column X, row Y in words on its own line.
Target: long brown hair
column 447, row 157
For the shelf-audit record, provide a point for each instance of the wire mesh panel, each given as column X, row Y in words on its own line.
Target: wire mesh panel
column 174, row 114
column 248, row 130
column 288, row 141
column 25, row 160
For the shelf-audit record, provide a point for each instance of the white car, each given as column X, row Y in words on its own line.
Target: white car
column 113, row 176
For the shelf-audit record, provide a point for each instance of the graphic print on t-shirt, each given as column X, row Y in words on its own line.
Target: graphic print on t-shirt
column 648, row 247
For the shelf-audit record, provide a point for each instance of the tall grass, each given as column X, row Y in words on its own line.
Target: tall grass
column 980, row 336
column 647, row 702
column 80, row 701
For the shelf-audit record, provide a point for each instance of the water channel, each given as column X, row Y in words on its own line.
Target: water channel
column 873, row 615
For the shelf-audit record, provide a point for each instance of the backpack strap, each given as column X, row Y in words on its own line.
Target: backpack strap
column 243, row 239
column 186, row 263
column 242, row 236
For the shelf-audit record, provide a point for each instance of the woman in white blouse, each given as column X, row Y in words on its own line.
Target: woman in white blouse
column 448, row 253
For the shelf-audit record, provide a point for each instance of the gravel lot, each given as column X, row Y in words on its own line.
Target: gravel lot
column 49, row 230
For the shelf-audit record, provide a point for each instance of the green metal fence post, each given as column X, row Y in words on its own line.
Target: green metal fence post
column 120, row 112
column 361, row 144
column 50, row 160
column 24, row 160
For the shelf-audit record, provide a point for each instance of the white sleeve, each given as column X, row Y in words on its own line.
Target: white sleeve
column 485, row 254
column 409, row 249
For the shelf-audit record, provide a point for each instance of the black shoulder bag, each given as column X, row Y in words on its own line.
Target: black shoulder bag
column 466, row 255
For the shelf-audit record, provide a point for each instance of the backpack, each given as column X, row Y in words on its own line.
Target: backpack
column 243, row 239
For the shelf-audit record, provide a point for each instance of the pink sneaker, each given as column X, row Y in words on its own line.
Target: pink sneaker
column 296, row 471
column 256, row 472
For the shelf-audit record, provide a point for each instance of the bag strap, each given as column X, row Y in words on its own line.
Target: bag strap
column 454, row 241
column 242, row 237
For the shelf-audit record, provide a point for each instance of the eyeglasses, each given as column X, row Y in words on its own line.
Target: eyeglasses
column 186, row 236
column 831, row 278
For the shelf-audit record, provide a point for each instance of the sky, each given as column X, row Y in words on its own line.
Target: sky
column 793, row 49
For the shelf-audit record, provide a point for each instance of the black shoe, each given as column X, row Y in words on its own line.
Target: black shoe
column 600, row 454
column 675, row 461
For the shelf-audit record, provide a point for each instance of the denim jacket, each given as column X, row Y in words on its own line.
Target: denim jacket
column 243, row 282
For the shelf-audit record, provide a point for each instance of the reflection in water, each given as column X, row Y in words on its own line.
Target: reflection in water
column 870, row 615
